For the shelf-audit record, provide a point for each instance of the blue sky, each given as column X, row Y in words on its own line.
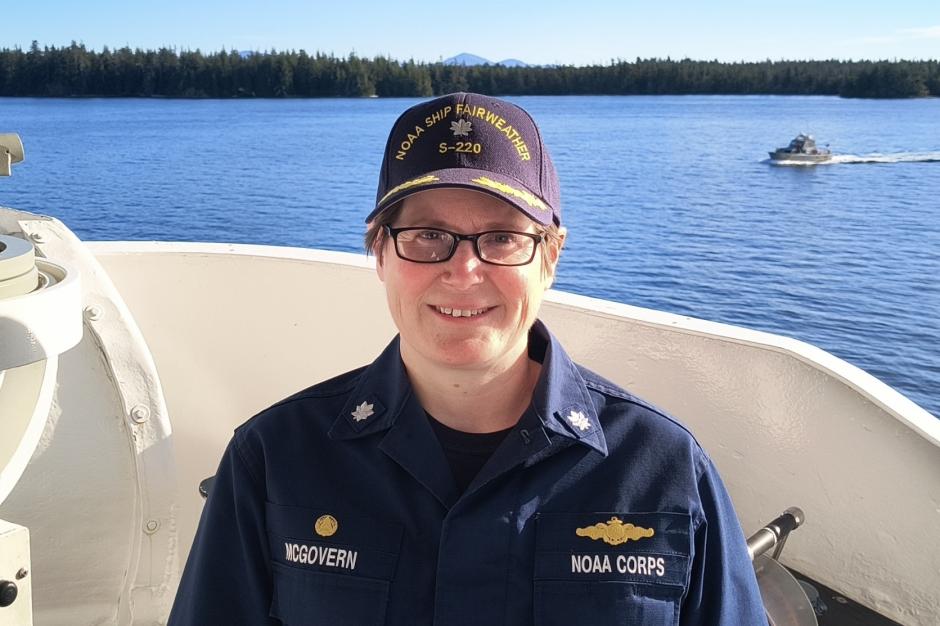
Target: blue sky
column 548, row 31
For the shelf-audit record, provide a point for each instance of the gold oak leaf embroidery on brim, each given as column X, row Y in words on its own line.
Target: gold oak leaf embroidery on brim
column 615, row 532
column 525, row 196
column 424, row 180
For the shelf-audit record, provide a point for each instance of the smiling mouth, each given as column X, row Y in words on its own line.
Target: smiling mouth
column 444, row 310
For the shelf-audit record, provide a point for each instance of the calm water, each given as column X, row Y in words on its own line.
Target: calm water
column 670, row 201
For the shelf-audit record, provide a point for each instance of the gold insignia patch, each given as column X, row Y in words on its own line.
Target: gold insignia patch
column 615, row 532
column 326, row 526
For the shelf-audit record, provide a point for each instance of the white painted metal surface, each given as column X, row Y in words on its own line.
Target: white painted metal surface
column 39, row 319
column 11, row 151
column 15, row 569
column 98, row 493
column 233, row 329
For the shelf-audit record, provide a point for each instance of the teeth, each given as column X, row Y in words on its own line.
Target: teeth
column 460, row 312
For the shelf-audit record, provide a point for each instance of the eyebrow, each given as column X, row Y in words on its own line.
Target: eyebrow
column 437, row 222
column 484, row 229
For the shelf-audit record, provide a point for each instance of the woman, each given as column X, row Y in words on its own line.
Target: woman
column 472, row 473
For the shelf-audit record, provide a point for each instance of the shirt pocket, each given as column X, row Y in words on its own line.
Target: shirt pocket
column 610, row 567
column 330, row 567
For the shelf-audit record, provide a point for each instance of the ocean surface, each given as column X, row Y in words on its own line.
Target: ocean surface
column 671, row 202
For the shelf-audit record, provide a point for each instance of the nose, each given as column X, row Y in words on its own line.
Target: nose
column 464, row 269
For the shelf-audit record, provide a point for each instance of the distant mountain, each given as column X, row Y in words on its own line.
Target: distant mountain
column 465, row 58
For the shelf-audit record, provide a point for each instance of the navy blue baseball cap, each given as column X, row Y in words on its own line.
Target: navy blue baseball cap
column 471, row 141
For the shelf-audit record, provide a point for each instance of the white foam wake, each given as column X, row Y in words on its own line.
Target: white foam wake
column 897, row 157
column 875, row 157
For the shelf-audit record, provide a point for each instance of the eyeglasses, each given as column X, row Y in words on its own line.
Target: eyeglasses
column 421, row 244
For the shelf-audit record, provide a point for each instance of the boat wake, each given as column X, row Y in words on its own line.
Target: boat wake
column 898, row 157
column 875, row 157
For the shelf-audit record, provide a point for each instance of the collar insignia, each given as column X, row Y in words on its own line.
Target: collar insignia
column 326, row 526
column 579, row 420
column 362, row 412
column 461, row 127
column 615, row 532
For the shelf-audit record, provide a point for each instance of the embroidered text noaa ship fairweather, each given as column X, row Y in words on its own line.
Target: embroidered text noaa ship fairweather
column 466, row 112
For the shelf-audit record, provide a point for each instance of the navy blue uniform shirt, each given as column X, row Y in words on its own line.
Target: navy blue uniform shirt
column 337, row 507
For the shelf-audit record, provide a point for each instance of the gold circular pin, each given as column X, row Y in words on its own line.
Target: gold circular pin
column 326, row 526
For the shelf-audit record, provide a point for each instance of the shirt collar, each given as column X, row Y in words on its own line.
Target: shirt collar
column 375, row 403
column 560, row 400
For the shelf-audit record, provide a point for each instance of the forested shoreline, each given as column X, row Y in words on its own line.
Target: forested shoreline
column 76, row 71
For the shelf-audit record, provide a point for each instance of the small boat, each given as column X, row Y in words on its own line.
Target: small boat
column 803, row 149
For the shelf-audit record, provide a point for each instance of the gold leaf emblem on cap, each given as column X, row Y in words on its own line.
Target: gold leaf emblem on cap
column 326, row 526
column 414, row 182
column 523, row 195
column 615, row 532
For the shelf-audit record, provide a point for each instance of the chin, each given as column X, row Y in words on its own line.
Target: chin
column 468, row 353
column 460, row 356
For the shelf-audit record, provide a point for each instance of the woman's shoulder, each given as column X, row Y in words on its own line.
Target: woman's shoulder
column 317, row 405
column 620, row 410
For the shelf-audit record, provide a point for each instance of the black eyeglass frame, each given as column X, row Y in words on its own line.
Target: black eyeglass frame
column 472, row 238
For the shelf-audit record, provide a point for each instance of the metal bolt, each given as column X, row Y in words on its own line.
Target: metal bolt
column 20, row 575
column 841, row 600
column 140, row 414
column 152, row 526
column 8, row 593
column 38, row 237
column 93, row 313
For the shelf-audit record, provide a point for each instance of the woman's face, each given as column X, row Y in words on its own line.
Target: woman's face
column 430, row 301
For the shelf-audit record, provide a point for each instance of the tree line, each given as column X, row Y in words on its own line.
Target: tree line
column 76, row 71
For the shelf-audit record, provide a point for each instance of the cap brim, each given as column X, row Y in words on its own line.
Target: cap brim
column 503, row 187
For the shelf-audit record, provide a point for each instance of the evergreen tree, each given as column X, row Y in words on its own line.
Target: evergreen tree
column 77, row 71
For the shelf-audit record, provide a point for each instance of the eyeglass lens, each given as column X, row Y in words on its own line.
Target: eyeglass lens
column 429, row 245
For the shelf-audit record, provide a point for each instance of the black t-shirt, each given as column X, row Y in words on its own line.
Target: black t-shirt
column 466, row 453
